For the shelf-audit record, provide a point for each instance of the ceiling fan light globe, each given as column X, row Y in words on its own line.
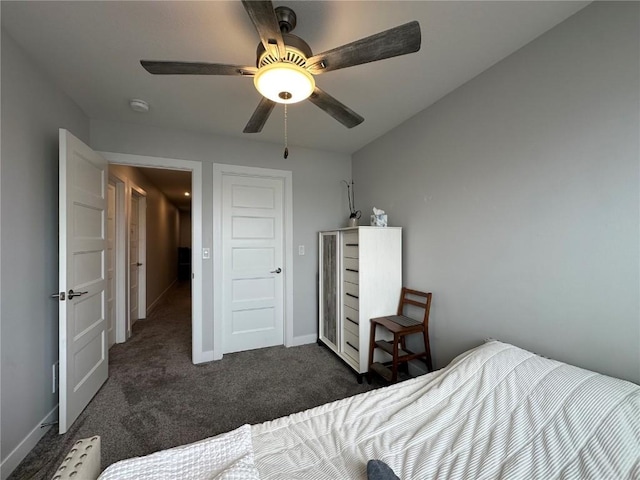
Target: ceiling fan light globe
column 284, row 82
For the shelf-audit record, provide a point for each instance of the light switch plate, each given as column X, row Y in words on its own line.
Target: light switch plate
column 206, row 253
column 300, row 249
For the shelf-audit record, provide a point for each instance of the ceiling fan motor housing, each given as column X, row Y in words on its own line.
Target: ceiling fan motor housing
column 287, row 19
column 285, row 91
column 297, row 52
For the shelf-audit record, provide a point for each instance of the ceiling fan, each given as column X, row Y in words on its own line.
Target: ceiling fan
column 285, row 65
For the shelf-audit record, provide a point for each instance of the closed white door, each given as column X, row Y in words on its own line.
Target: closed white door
column 133, row 259
column 252, row 270
column 111, row 263
column 82, row 282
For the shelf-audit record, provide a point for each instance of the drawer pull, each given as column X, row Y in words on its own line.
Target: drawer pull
column 352, row 295
column 351, row 270
column 355, row 348
column 351, row 244
column 352, row 321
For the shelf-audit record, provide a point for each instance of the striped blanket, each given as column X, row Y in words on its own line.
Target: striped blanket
column 495, row 412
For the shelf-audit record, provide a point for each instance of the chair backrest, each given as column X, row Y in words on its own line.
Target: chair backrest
column 407, row 297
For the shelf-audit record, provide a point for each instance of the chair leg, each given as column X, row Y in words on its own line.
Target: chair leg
column 372, row 345
column 394, row 366
column 427, row 350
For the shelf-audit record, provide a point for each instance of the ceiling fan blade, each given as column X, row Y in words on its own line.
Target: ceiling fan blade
column 196, row 68
column 264, row 19
column 260, row 116
column 390, row 43
column 333, row 107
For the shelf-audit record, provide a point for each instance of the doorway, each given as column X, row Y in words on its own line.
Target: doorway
column 126, row 254
column 198, row 354
column 137, row 256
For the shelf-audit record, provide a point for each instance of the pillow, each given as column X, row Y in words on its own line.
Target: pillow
column 378, row 470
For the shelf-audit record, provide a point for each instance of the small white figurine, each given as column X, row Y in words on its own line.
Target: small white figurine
column 379, row 218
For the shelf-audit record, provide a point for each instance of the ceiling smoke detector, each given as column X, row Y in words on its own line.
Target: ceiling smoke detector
column 138, row 105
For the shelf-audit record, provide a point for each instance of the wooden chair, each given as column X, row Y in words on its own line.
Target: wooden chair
column 401, row 326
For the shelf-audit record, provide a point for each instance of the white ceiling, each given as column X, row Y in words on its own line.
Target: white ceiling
column 92, row 50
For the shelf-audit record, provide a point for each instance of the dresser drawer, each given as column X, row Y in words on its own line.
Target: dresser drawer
column 350, row 251
column 350, row 297
column 351, row 265
column 351, row 276
column 350, row 301
column 350, row 320
column 351, row 346
column 351, row 268
column 350, row 245
column 350, row 237
column 352, row 289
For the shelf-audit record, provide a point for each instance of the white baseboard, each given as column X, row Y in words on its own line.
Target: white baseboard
column 303, row 340
column 204, row 356
column 155, row 303
column 18, row 454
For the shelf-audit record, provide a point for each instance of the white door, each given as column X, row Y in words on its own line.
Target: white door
column 82, row 282
column 253, row 277
column 111, row 263
column 133, row 259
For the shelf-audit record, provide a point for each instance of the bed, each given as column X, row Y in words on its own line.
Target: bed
column 496, row 411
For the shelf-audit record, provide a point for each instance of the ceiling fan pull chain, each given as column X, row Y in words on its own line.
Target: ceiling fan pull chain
column 286, row 142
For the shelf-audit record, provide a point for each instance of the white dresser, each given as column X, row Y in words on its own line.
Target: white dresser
column 360, row 278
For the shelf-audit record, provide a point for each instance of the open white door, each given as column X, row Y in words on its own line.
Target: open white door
column 82, row 284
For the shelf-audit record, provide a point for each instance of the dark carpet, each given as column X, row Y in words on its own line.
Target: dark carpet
column 155, row 398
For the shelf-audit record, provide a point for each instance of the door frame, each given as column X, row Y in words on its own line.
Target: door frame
column 198, row 353
column 142, row 251
column 219, row 170
column 121, row 296
column 118, row 185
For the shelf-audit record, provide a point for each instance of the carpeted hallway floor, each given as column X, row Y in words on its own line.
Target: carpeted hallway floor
column 155, row 398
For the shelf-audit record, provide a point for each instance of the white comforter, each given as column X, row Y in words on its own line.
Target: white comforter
column 228, row 456
column 495, row 412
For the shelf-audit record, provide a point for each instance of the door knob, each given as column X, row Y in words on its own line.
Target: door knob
column 73, row 294
column 277, row 270
column 139, row 264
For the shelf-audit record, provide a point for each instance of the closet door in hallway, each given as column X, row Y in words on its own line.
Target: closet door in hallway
column 137, row 256
column 133, row 259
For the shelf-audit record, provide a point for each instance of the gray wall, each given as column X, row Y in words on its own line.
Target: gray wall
column 520, row 199
column 32, row 111
column 162, row 229
column 185, row 228
column 319, row 201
